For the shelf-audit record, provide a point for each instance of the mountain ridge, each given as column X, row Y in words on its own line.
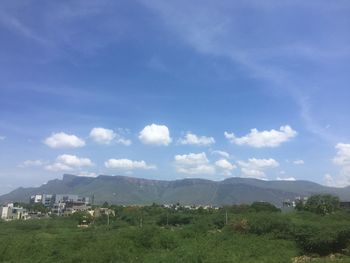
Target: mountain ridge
column 127, row 190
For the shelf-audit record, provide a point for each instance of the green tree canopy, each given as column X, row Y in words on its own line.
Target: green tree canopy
column 321, row 204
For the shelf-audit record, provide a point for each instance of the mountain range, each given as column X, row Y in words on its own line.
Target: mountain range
column 133, row 191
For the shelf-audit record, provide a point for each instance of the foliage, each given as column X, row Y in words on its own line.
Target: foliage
column 263, row 207
column 320, row 204
column 82, row 217
column 258, row 233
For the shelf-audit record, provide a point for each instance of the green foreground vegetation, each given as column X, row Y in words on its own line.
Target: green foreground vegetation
column 256, row 233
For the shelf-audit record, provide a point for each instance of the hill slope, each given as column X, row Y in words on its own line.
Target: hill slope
column 130, row 190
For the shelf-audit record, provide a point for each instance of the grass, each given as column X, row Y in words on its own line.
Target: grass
column 266, row 237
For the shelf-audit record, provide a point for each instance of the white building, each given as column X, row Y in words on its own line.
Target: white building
column 10, row 212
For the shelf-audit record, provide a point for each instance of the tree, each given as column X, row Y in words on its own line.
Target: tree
column 263, row 207
column 321, row 204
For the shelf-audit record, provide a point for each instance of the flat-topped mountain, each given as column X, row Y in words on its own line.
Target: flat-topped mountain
column 131, row 190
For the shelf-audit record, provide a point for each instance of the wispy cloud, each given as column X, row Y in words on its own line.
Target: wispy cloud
column 220, row 30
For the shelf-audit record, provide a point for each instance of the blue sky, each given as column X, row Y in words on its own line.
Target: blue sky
column 170, row 90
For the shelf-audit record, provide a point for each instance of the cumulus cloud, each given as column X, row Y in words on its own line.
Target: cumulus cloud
column 32, row 163
column 221, row 153
column 74, row 161
column 224, row 164
column 155, row 134
column 57, row 167
column 67, row 162
column 193, row 164
column 255, row 167
column 285, row 179
column 87, row 174
column 259, row 139
column 107, row 136
column 343, row 155
column 329, row 180
column 102, row 135
column 193, row 139
column 123, row 141
column 253, row 173
column 225, row 167
column 128, row 164
column 299, row 162
column 342, row 160
column 64, row 140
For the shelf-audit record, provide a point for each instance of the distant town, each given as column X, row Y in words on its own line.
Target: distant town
column 46, row 205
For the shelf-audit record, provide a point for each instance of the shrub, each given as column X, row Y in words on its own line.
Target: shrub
column 275, row 223
column 320, row 204
column 321, row 240
column 263, row 207
column 241, row 226
column 174, row 219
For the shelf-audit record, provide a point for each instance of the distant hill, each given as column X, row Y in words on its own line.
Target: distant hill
column 130, row 190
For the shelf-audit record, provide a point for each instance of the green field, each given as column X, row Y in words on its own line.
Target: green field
column 157, row 234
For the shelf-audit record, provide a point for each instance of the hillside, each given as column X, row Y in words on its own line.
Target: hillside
column 130, row 190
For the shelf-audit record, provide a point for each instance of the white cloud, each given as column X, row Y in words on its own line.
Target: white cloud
column 2, row 138
column 224, row 164
column 102, row 135
column 63, row 140
column 342, row 160
column 259, row 163
column 155, row 134
column 128, row 164
column 74, row 161
column 32, row 163
column 255, row 138
column 343, row 155
column 225, row 167
column 255, row 167
column 67, row 162
column 193, row 164
column 329, row 180
column 57, row 167
column 87, row 174
column 193, row 139
column 192, row 159
column 299, row 162
column 222, row 154
column 123, row 141
column 253, row 173
column 107, row 136
column 285, row 179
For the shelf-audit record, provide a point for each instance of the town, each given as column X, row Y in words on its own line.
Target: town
column 46, row 205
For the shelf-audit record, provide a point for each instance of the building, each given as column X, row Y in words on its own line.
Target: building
column 62, row 204
column 10, row 212
column 68, row 198
column 344, row 205
column 66, row 204
column 45, row 199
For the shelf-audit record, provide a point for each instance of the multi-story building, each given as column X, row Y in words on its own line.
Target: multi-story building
column 45, row 199
column 10, row 212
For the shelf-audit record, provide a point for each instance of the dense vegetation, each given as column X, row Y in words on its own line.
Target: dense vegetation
column 255, row 233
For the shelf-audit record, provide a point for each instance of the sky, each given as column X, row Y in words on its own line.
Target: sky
column 174, row 89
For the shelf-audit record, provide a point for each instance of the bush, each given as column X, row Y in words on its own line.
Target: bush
column 174, row 219
column 320, row 204
column 323, row 241
column 263, row 207
column 241, row 226
column 266, row 223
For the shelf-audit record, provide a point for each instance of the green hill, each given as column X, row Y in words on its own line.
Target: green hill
column 130, row 190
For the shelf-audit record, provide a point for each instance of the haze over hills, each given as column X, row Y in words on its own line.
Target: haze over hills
column 130, row 190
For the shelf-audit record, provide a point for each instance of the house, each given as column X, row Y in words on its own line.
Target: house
column 344, row 205
column 10, row 212
column 45, row 199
